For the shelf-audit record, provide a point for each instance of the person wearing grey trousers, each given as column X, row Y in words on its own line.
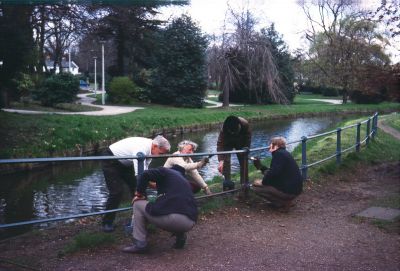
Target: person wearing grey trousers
column 174, row 210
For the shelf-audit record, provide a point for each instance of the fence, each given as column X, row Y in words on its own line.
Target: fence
column 370, row 132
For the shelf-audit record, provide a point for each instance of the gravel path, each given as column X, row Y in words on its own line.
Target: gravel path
column 319, row 233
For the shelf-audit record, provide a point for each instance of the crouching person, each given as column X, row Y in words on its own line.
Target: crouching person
column 174, row 210
column 282, row 182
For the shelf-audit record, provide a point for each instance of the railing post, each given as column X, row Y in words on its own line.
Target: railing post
column 244, row 174
column 338, row 146
column 358, row 137
column 304, row 157
column 375, row 125
column 140, row 159
column 368, row 130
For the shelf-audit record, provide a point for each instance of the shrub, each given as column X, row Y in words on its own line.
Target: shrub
column 122, row 90
column 330, row 91
column 361, row 97
column 59, row 88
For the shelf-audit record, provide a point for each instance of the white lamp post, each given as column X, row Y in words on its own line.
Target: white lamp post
column 103, row 87
column 69, row 59
column 95, row 75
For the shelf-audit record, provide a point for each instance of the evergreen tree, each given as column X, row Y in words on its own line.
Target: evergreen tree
column 180, row 75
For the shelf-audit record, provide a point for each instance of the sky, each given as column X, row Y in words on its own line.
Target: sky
column 290, row 20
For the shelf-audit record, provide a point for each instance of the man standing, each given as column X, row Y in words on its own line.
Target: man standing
column 235, row 134
column 174, row 210
column 118, row 172
column 282, row 182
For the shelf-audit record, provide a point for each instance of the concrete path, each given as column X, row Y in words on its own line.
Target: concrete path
column 217, row 104
column 107, row 110
column 332, row 101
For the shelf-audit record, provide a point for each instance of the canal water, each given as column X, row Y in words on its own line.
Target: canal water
column 78, row 187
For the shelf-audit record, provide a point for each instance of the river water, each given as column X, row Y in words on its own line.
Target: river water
column 79, row 187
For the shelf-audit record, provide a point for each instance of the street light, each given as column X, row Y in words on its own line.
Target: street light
column 103, row 87
column 95, row 76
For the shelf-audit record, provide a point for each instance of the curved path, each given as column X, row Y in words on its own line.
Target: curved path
column 389, row 130
column 107, row 110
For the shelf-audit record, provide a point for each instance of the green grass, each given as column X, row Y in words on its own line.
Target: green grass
column 383, row 148
column 87, row 241
column 57, row 135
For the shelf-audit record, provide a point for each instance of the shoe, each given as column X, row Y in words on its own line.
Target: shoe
column 135, row 249
column 228, row 185
column 108, row 228
column 180, row 240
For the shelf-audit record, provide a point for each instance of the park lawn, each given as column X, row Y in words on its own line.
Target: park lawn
column 393, row 120
column 26, row 136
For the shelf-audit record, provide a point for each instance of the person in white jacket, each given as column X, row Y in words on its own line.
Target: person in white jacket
column 191, row 168
column 118, row 172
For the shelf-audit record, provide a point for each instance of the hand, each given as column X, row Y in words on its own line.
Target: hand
column 207, row 190
column 220, row 166
column 203, row 162
column 138, row 196
column 257, row 163
column 257, row 182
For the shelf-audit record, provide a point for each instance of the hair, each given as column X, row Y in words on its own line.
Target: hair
column 231, row 125
column 184, row 143
column 278, row 141
column 162, row 142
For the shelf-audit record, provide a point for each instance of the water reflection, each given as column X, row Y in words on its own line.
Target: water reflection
column 74, row 188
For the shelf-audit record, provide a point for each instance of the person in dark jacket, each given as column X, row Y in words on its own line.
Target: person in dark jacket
column 282, row 182
column 235, row 134
column 174, row 210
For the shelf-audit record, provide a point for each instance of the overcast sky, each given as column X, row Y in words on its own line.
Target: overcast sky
column 290, row 20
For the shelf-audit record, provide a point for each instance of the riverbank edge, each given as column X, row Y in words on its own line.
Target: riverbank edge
column 95, row 148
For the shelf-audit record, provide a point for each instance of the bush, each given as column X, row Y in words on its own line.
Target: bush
column 59, row 88
column 122, row 90
column 330, row 91
column 360, row 97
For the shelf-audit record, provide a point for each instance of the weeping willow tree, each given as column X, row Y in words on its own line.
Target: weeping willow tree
column 245, row 66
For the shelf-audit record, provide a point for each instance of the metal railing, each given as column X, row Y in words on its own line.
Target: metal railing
column 371, row 131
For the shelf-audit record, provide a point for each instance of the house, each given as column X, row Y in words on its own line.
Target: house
column 65, row 66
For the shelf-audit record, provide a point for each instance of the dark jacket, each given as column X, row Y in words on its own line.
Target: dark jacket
column 284, row 174
column 227, row 142
column 174, row 193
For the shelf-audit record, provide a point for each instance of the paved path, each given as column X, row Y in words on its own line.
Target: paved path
column 217, row 104
column 389, row 130
column 107, row 110
column 332, row 101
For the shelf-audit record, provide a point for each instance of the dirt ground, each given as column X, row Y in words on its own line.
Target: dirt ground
column 319, row 233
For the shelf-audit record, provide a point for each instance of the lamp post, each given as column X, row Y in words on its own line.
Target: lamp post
column 103, row 87
column 69, row 59
column 95, row 75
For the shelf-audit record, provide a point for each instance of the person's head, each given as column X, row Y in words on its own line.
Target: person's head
column 187, row 146
column 160, row 145
column 231, row 126
column 276, row 143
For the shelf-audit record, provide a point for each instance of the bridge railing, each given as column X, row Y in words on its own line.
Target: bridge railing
column 371, row 132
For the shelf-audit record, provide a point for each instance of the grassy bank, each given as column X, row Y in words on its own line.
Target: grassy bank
column 59, row 135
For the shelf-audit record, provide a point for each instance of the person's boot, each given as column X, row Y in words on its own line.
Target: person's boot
column 138, row 247
column 180, row 240
column 108, row 228
column 228, row 185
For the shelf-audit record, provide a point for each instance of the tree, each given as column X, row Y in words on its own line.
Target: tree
column 16, row 47
column 180, row 77
column 247, row 68
column 341, row 42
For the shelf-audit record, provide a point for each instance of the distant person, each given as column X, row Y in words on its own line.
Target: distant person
column 282, row 182
column 191, row 168
column 174, row 209
column 118, row 172
column 235, row 134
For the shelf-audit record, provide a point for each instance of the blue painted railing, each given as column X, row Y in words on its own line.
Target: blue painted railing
column 371, row 132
